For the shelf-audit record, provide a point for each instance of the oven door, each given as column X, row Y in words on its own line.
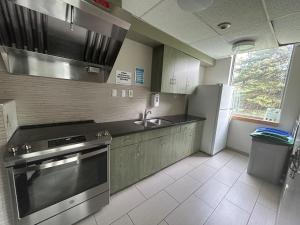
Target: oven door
column 46, row 188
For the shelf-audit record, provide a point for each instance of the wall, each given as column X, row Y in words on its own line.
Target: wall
column 4, row 198
column 238, row 135
column 46, row 100
column 218, row 73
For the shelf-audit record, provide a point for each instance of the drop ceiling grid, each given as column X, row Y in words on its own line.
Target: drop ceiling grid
column 249, row 19
column 287, row 29
column 168, row 17
column 262, row 33
column 216, row 47
column 280, row 8
column 240, row 13
column 138, row 7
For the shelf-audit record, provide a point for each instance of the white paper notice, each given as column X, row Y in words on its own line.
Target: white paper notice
column 123, row 77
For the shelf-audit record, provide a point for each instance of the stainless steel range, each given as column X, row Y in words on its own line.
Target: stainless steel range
column 60, row 175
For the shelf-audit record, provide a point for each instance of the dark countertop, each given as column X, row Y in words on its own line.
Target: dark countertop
column 29, row 134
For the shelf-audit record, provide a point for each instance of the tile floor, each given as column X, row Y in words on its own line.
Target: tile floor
column 197, row 190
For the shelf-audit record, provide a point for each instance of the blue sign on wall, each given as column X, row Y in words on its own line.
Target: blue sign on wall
column 139, row 76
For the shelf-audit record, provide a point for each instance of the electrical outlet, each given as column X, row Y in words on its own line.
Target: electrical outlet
column 123, row 93
column 130, row 93
column 114, row 92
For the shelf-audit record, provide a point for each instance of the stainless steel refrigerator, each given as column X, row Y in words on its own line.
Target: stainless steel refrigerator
column 214, row 103
column 289, row 207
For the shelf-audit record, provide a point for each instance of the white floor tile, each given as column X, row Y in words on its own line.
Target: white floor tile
column 154, row 184
column 154, row 210
column 251, row 180
column 202, row 173
column 262, row 216
column 228, row 214
column 215, row 163
column 224, row 156
column 119, row 205
column 238, row 163
column 227, row 176
column 212, row 192
column 124, row 220
column 196, row 159
column 88, row 221
column 163, row 223
column 269, row 195
column 243, row 195
column 183, row 188
column 191, row 212
column 178, row 170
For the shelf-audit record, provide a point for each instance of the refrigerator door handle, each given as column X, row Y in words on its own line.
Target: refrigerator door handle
column 295, row 163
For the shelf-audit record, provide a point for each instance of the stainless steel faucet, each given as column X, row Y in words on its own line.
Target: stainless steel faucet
column 146, row 114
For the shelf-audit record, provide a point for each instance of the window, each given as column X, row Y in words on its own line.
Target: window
column 259, row 80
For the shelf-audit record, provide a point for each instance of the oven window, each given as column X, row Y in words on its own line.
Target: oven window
column 39, row 189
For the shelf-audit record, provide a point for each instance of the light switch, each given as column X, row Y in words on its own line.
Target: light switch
column 114, row 92
column 123, row 93
column 130, row 93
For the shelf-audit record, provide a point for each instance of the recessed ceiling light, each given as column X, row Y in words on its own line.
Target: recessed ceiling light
column 224, row 26
column 243, row 46
column 194, row 5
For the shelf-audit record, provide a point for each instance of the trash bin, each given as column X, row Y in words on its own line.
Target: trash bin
column 269, row 153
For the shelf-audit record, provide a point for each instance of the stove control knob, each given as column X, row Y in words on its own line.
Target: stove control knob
column 27, row 147
column 13, row 149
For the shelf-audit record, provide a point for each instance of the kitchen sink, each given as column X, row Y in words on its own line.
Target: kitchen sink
column 152, row 122
column 159, row 122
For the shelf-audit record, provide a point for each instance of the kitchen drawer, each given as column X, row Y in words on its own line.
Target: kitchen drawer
column 188, row 127
column 126, row 140
column 148, row 135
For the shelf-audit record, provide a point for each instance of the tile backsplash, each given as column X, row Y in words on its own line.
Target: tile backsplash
column 46, row 100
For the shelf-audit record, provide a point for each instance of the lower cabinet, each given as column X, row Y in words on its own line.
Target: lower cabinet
column 150, row 158
column 135, row 161
column 124, row 166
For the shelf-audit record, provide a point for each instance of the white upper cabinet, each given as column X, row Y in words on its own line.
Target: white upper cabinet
column 174, row 71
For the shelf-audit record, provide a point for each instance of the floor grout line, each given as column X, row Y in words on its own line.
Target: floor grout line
column 95, row 219
column 193, row 193
column 171, row 196
column 130, row 218
column 254, row 204
column 140, row 191
column 230, row 187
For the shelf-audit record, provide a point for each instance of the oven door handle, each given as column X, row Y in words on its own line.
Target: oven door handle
column 72, row 160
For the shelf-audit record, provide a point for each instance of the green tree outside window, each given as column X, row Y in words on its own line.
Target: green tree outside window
column 259, row 79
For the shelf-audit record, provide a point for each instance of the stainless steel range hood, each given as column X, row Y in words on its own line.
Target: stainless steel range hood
column 68, row 39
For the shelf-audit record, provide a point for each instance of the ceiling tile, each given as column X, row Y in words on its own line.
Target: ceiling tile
column 262, row 34
column 287, row 29
column 279, row 8
column 138, row 7
column 216, row 47
column 185, row 26
column 240, row 13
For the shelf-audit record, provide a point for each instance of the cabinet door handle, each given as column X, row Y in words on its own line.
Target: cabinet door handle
column 172, row 81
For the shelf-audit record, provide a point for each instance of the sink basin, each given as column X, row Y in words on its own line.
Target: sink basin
column 147, row 124
column 152, row 122
column 159, row 122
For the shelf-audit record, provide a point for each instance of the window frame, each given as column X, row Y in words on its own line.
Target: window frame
column 253, row 119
